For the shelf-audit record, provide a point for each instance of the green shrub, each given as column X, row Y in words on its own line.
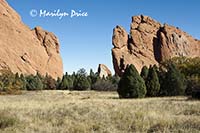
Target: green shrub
column 81, row 81
column 152, row 82
column 34, row 83
column 196, row 94
column 66, row 83
column 10, row 83
column 49, row 83
column 104, row 85
column 144, row 72
column 193, row 83
column 173, row 83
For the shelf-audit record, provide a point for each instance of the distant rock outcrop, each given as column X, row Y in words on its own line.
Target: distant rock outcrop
column 104, row 71
column 27, row 51
column 150, row 42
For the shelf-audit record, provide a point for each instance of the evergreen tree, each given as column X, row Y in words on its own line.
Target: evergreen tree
column 7, row 78
column 39, row 84
column 131, row 85
column 58, row 82
column 92, row 78
column 152, row 82
column 23, row 80
column 174, row 82
column 64, row 83
column 49, row 83
column 144, row 72
column 34, row 83
column 81, row 81
column 17, row 82
column 40, row 76
column 70, row 82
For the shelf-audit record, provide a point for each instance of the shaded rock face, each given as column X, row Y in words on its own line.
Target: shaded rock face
column 27, row 51
column 149, row 43
column 104, row 71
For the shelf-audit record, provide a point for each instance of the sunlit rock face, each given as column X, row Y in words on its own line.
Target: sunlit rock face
column 24, row 50
column 150, row 42
column 104, row 71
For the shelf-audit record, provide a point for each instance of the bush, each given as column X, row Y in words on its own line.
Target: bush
column 93, row 77
column 34, row 83
column 144, row 72
column 131, row 85
column 193, row 83
column 49, row 83
column 6, row 121
column 104, row 85
column 81, row 81
column 196, row 94
column 187, row 66
column 10, row 83
column 152, row 82
column 173, row 82
column 66, row 83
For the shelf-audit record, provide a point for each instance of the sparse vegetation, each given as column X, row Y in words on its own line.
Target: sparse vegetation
column 6, row 120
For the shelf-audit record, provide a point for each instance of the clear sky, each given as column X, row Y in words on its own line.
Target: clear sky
column 87, row 41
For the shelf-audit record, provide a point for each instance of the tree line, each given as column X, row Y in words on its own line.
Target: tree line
column 11, row 83
column 177, row 76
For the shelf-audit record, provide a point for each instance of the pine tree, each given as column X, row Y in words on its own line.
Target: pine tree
column 92, row 77
column 49, row 83
column 17, row 82
column 131, row 85
column 81, row 81
column 7, row 78
column 58, row 82
column 152, row 82
column 23, row 79
column 34, row 83
column 64, row 83
column 144, row 72
column 39, row 84
column 70, row 82
column 174, row 82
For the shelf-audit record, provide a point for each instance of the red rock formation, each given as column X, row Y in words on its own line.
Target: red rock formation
column 104, row 71
column 27, row 51
column 150, row 42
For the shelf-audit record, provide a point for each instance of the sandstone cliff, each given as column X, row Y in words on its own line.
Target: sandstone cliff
column 27, row 51
column 150, row 42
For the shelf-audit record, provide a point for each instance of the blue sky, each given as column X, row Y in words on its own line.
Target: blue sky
column 87, row 41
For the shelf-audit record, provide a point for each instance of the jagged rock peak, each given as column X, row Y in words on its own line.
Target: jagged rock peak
column 104, row 71
column 149, row 42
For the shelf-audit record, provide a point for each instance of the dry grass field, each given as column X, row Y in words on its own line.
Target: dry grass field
column 101, row 112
